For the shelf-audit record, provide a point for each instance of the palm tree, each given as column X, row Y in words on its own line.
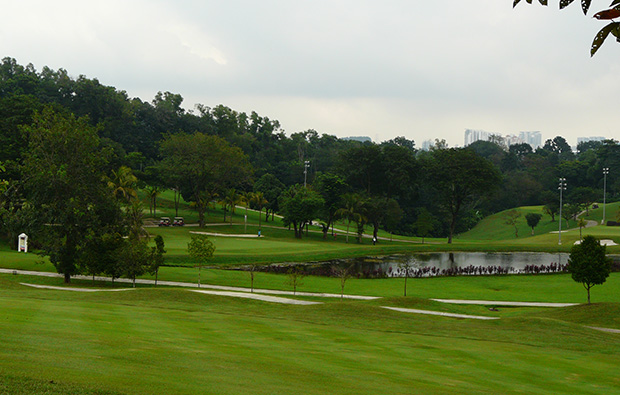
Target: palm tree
column 351, row 210
column 246, row 198
column 231, row 199
column 259, row 200
column 135, row 219
column 152, row 192
column 123, row 183
column 582, row 224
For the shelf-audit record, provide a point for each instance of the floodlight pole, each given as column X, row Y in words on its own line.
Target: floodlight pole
column 605, row 172
column 561, row 187
column 306, row 165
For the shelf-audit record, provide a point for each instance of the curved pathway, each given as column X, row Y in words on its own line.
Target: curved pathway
column 192, row 285
column 504, row 303
column 440, row 313
column 240, row 292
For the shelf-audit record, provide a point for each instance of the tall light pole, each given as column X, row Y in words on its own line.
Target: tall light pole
column 561, row 187
column 605, row 172
column 306, row 165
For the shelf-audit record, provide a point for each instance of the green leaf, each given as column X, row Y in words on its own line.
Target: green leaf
column 616, row 32
column 565, row 3
column 601, row 36
column 585, row 5
column 514, row 4
column 615, row 2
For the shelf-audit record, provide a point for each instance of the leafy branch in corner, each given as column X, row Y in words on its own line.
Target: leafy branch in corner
column 610, row 14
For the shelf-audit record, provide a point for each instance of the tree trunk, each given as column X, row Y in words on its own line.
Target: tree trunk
column 67, row 278
column 177, row 199
column 452, row 227
column 201, row 216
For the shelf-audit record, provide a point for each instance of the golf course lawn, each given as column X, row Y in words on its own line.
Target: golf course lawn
column 168, row 340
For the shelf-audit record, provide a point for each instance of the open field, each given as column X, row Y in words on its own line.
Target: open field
column 169, row 340
column 166, row 340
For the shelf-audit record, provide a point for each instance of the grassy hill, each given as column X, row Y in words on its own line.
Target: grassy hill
column 167, row 340
column 494, row 227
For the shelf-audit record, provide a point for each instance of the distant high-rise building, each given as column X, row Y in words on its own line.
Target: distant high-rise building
column 512, row 139
column 427, row 144
column 475, row 135
column 532, row 138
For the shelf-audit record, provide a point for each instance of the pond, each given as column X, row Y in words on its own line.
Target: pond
column 435, row 264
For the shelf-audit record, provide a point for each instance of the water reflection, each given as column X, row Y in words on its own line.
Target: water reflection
column 440, row 263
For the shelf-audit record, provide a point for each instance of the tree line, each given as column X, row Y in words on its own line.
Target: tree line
column 217, row 154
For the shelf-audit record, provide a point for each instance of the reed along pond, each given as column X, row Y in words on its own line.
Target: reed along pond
column 435, row 264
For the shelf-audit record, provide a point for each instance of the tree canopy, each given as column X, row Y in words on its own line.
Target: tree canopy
column 63, row 178
column 203, row 166
column 588, row 263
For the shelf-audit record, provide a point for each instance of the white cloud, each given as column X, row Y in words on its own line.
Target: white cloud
column 397, row 67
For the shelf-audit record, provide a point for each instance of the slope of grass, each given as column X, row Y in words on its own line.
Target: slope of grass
column 157, row 340
column 494, row 227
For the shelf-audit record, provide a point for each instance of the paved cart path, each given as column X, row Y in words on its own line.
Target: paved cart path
column 192, row 285
column 240, row 292
column 76, row 289
column 441, row 313
column 255, row 296
column 504, row 303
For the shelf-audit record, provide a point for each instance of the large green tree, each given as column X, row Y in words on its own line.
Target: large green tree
column 299, row 206
column 460, row 178
column 64, row 182
column 204, row 165
column 331, row 187
column 588, row 263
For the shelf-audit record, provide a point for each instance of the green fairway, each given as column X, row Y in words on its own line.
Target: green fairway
column 172, row 341
column 157, row 340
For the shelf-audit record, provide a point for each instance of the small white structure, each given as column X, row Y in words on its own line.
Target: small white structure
column 22, row 244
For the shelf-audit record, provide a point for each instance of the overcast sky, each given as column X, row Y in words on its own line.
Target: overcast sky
column 420, row 69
